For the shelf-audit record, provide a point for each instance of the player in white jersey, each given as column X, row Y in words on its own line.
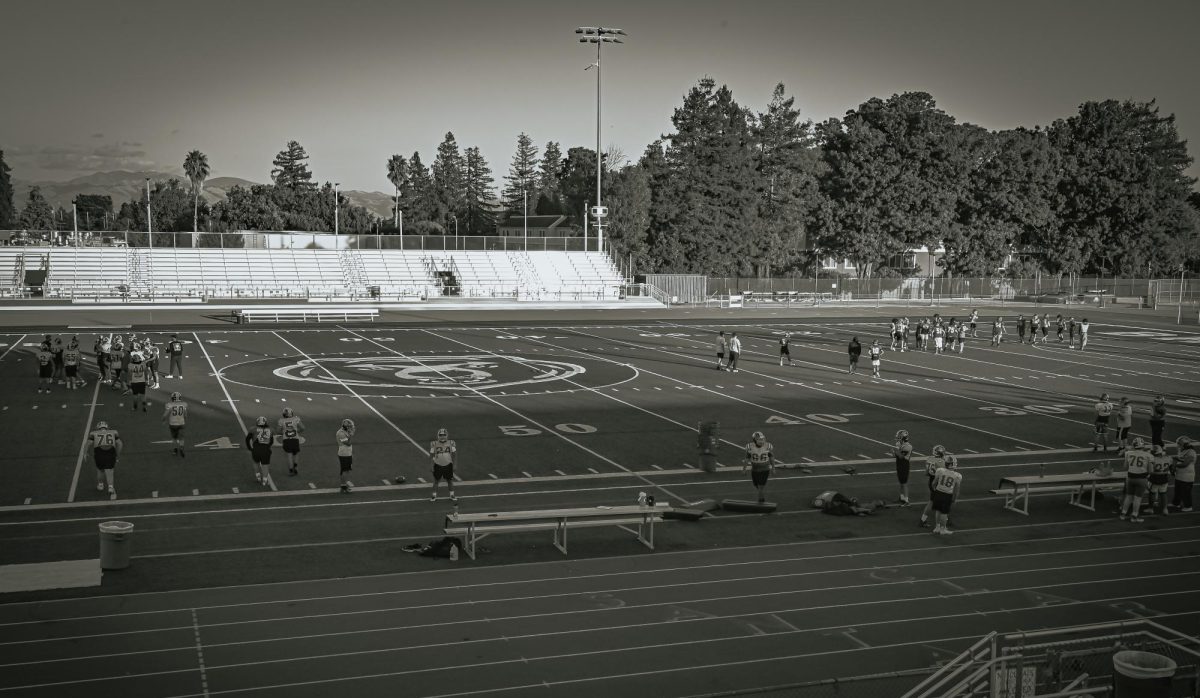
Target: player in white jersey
column 1137, row 471
column 760, row 458
column 442, row 454
column 138, row 375
column 106, row 446
column 175, row 416
column 291, row 430
column 935, row 461
column 947, row 482
column 875, row 353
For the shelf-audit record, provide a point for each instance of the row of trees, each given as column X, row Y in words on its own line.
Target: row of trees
column 731, row 191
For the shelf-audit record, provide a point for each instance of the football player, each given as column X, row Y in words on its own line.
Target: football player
column 290, row 429
column 1104, row 409
column 947, row 482
column 934, row 462
column 442, row 453
column 175, row 416
column 1137, row 470
column 760, row 458
column 259, row 441
column 106, row 447
column 902, row 449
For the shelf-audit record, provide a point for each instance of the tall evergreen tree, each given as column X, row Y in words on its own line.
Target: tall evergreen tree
column 195, row 166
column 479, row 192
column 8, row 211
column 521, row 180
column 397, row 174
column 551, row 169
column 447, row 174
column 291, row 168
column 712, row 189
column 419, row 201
column 629, row 221
column 577, row 182
column 787, row 164
column 37, row 214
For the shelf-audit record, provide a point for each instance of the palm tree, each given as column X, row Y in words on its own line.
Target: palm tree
column 397, row 174
column 195, row 166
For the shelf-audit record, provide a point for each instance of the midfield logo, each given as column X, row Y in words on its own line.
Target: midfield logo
column 449, row 373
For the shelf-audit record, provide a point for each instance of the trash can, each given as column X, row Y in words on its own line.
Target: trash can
column 1142, row 675
column 709, row 440
column 114, row 544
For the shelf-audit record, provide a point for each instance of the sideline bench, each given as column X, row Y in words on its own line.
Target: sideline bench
column 477, row 526
column 247, row 315
column 1017, row 488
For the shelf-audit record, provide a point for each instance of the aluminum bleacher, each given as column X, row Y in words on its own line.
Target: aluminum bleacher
column 320, row 273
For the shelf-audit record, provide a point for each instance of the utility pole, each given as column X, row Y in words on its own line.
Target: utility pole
column 335, row 208
column 599, row 36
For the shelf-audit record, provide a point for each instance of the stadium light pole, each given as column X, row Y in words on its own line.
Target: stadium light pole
column 149, row 232
column 598, row 36
column 335, row 208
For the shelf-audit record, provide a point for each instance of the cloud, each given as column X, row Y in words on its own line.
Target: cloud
column 84, row 159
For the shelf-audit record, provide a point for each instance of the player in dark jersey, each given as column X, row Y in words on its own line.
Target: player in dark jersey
column 259, row 440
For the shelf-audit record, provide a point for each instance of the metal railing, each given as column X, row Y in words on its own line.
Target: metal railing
column 283, row 239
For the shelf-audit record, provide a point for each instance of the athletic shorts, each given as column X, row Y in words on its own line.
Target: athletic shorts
column 1123, row 433
column 759, row 477
column 875, row 363
column 1136, row 486
column 176, row 431
column 345, row 462
column 903, row 465
column 972, row 325
column 261, row 456
column 72, row 370
column 930, row 483
column 291, row 446
column 940, row 501
column 46, row 371
column 1158, row 488
column 443, row 472
column 785, row 351
column 720, row 355
column 137, row 388
column 116, row 373
column 938, row 342
column 1102, row 425
column 106, row 459
column 897, row 336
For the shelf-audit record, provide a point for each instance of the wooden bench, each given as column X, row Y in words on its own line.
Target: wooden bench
column 477, row 526
column 1017, row 488
column 246, row 315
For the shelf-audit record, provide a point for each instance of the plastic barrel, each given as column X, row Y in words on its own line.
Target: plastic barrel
column 1142, row 675
column 115, row 539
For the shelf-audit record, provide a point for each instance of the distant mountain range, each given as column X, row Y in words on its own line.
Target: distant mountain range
column 123, row 186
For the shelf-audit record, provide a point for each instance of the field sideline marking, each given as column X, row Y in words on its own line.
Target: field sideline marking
column 220, row 382
column 15, row 344
column 360, row 398
column 87, row 427
column 502, row 481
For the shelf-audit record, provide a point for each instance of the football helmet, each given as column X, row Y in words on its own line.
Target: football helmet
column 902, row 435
column 102, row 424
column 442, row 435
column 135, row 357
column 347, row 423
column 1183, row 442
column 1104, row 397
column 1137, row 444
column 939, row 450
column 758, row 437
column 1156, row 450
column 951, row 461
column 261, row 422
column 176, row 397
column 288, row 412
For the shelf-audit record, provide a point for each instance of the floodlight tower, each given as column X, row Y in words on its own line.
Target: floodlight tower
column 599, row 36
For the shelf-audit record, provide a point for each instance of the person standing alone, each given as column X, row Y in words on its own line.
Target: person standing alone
column 1158, row 420
column 760, row 458
column 855, row 351
column 345, row 452
column 442, row 453
column 175, row 352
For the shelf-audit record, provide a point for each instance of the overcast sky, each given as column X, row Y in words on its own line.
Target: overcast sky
column 94, row 85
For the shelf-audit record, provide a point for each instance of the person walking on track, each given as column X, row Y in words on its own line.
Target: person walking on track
column 855, row 351
column 722, row 347
column 260, row 440
column 735, row 350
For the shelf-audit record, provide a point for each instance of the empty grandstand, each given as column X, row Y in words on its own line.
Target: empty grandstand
column 316, row 267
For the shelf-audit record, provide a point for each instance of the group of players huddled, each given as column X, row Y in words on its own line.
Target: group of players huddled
column 941, row 335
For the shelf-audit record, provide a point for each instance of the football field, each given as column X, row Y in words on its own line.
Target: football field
column 294, row 588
